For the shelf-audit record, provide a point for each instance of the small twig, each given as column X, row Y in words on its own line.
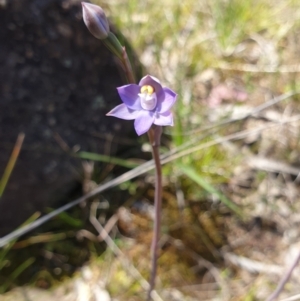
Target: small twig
column 102, row 235
column 284, row 279
column 87, row 234
column 114, row 248
column 108, row 227
column 61, row 142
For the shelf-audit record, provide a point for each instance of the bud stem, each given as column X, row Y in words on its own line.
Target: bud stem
column 127, row 66
column 113, row 44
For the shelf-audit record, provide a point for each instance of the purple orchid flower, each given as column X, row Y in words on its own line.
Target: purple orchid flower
column 148, row 103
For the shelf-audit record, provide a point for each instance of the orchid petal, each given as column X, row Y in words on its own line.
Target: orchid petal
column 164, row 119
column 143, row 122
column 123, row 112
column 130, row 97
column 145, row 114
column 166, row 99
column 151, row 81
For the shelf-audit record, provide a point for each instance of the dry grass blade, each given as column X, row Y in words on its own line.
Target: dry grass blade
column 252, row 266
column 232, row 137
column 267, row 164
column 117, row 181
column 292, row 298
column 11, row 163
column 254, row 112
column 265, row 69
column 169, row 157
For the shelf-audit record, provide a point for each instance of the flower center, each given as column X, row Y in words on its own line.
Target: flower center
column 148, row 98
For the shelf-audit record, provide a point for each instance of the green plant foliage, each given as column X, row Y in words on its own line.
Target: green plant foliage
column 195, row 176
column 15, row 274
column 106, row 159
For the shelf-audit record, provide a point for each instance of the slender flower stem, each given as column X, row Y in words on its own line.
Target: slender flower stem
column 154, row 136
column 96, row 22
column 284, row 279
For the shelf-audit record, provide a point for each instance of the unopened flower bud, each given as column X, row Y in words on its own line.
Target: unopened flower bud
column 95, row 20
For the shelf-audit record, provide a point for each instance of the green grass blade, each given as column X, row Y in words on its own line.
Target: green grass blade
column 194, row 175
column 7, row 248
column 18, row 271
column 69, row 220
column 3, row 254
column 106, row 159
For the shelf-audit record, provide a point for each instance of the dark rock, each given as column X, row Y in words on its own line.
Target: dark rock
column 57, row 82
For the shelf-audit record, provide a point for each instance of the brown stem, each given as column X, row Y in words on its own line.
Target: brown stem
column 154, row 136
column 284, row 279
